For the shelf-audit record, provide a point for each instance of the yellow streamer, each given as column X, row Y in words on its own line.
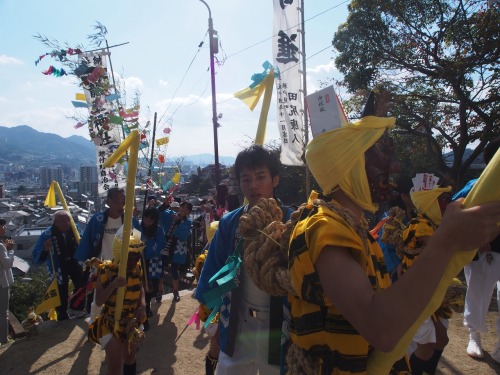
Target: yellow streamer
column 261, row 128
column 131, row 143
column 485, row 190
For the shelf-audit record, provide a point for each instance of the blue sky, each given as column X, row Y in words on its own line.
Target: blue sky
column 163, row 39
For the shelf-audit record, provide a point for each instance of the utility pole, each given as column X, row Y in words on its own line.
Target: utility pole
column 304, row 87
column 214, row 98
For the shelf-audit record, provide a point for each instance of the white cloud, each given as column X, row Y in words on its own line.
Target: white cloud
column 7, row 60
column 133, row 83
column 324, row 68
column 3, row 99
column 163, row 82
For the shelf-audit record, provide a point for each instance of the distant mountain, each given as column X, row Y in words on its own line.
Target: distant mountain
column 25, row 145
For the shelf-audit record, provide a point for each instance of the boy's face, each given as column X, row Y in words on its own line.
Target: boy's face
column 116, row 204
column 183, row 211
column 257, row 183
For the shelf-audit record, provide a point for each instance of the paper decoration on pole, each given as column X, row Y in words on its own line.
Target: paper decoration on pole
column 161, row 158
column 262, row 83
column 162, row 141
column 77, row 104
column 79, row 124
column 130, row 144
column 105, row 134
column 288, row 87
column 60, row 55
column 166, row 130
column 325, row 111
column 55, row 72
column 176, row 178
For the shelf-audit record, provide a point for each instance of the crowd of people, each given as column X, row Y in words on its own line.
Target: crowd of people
column 350, row 292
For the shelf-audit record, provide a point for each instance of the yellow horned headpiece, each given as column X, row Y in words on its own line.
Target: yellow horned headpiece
column 135, row 245
column 337, row 158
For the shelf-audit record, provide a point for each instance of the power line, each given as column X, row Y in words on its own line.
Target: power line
column 183, row 77
column 309, row 19
column 241, row 51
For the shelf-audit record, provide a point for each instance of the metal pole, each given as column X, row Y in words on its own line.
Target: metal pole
column 214, row 99
column 304, row 86
column 150, row 165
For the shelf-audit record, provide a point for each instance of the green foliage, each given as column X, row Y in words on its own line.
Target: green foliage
column 438, row 59
column 24, row 294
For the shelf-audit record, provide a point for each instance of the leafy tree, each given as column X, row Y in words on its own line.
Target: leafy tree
column 438, row 59
column 27, row 294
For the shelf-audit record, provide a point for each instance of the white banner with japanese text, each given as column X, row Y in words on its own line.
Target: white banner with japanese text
column 286, row 45
column 105, row 126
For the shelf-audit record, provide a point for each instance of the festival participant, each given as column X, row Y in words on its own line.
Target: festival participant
column 97, row 239
column 400, row 213
column 212, row 356
column 232, row 202
column 6, row 280
column 120, row 346
column 481, row 275
column 344, row 306
column 177, row 227
column 431, row 337
column 154, row 238
column 60, row 240
column 250, row 320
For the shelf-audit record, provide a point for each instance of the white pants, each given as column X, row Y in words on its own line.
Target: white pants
column 425, row 334
column 481, row 279
column 251, row 347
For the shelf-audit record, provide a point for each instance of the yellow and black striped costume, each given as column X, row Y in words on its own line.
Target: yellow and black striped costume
column 418, row 227
column 104, row 324
column 316, row 325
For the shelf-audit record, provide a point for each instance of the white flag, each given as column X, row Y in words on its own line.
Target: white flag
column 286, row 45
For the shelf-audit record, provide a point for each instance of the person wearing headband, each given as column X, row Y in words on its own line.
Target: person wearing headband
column 431, row 337
column 343, row 306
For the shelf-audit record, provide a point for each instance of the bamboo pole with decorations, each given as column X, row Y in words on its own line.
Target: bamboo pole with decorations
column 130, row 144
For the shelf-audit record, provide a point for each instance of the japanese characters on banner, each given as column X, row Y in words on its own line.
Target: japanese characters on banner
column 325, row 111
column 288, row 86
column 104, row 125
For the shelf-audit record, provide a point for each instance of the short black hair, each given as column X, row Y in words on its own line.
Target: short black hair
column 404, row 184
column 256, row 156
column 490, row 149
column 114, row 191
column 152, row 212
column 188, row 204
column 3, row 222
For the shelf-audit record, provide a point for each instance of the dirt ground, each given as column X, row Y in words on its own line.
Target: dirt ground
column 173, row 347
